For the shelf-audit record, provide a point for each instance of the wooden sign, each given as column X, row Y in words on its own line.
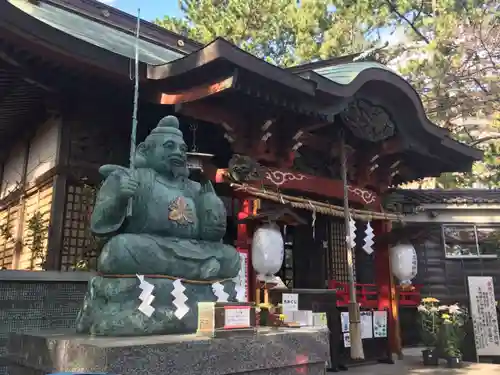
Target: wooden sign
column 222, row 319
column 484, row 315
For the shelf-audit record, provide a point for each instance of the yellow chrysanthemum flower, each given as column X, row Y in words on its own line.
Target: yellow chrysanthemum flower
column 445, row 316
column 265, row 305
column 430, row 300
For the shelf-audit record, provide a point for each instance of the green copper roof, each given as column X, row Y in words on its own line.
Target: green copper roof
column 96, row 33
column 344, row 74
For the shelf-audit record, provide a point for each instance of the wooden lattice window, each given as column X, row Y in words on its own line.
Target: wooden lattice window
column 80, row 249
column 287, row 270
column 338, row 252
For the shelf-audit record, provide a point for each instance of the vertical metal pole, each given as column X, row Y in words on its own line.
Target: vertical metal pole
column 133, row 134
column 354, row 313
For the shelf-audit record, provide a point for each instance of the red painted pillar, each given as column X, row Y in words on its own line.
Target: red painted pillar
column 243, row 245
column 387, row 298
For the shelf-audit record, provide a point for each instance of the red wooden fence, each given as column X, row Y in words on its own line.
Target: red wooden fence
column 366, row 294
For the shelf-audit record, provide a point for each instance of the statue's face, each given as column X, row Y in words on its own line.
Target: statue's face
column 169, row 156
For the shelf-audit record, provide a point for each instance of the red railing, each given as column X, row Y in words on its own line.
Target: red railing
column 367, row 294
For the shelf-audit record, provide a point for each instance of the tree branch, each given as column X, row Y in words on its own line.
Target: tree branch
column 484, row 139
column 393, row 9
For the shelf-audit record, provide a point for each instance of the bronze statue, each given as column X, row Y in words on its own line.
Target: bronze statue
column 175, row 231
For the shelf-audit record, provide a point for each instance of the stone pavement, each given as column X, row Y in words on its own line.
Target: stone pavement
column 412, row 365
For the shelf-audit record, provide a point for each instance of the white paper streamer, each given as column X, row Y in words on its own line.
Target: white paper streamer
column 179, row 299
column 368, row 246
column 146, row 296
column 219, row 292
column 240, row 293
column 351, row 239
column 238, row 287
column 240, row 281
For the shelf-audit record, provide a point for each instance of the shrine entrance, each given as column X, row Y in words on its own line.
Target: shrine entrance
column 316, row 256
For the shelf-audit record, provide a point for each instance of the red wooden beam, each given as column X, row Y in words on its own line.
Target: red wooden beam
column 198, row 92
column 293, row 180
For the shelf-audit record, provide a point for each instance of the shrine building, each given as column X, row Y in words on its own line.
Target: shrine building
column 66, row 103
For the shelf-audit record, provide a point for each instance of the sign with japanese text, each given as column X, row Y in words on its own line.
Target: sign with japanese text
column 237, row 317
column 484, row 315
column 379, row 323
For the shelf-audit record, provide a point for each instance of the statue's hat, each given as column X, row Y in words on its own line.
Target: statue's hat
column 168, row 125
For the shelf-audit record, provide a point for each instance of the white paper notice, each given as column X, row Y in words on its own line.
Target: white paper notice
column 347, row 340
column 366, row 324
column 319, row 320
column 344, row 321
column 290, row 304
column 236, row 317
column 380, row 324
column 484, row 315
column 304, row 318
column 290, row 301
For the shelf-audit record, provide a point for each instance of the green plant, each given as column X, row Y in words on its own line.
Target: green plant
column 452, row 330
column 37, row 231
column 5, row 232
column 429, row 320
column 81, row 265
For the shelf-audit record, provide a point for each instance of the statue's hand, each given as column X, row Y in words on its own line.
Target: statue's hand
column 128, row 186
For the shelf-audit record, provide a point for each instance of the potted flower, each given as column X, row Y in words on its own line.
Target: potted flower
column 264, row 312
column 452, row 333
column 429, row 326
column 268, row 315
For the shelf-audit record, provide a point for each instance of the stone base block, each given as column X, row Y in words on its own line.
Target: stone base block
column 268, row 352
column 111, row 307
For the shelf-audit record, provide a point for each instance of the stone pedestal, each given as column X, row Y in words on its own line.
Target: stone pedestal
column 111, row 307
column 270, row 351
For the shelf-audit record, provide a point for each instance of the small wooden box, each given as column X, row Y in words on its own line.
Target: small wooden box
column 223, row 319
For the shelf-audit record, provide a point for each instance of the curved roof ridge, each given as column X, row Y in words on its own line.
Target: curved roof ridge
column 348, row 78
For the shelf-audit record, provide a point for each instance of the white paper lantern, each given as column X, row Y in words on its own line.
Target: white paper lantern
column 267, row 250
column 404, row 263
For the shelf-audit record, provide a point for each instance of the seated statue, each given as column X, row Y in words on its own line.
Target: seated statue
column 173, row 229
column 176, row 226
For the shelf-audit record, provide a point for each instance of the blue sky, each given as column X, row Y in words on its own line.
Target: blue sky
column 150, row 9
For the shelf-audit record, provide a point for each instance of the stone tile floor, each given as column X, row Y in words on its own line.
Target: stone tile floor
column 411, row 365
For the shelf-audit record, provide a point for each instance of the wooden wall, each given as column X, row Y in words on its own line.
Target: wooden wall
column 446, row 279
column 40, row 200
column 27, row 188
column 15, row 251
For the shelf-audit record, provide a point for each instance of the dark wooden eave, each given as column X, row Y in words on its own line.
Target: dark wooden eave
column 419, row 197
column 392, row 81
column 44, row 40
column 123, row 21
column 315, row 85
column 221, row 49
